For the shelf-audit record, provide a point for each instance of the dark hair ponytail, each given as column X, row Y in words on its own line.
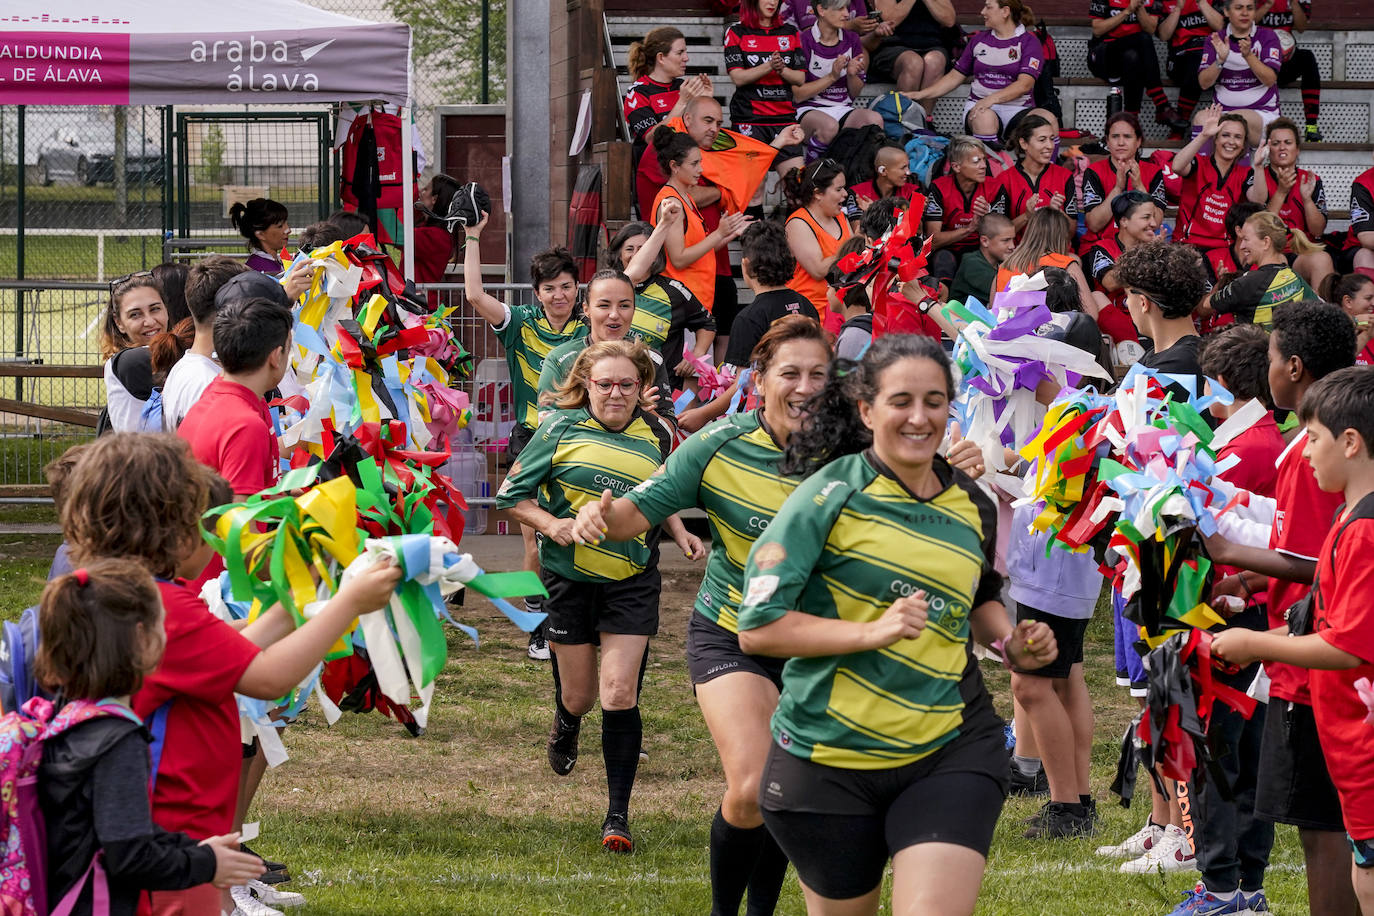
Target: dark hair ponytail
column 671, row 148
column 833, row 428
column 801, row 184
column 255, row 216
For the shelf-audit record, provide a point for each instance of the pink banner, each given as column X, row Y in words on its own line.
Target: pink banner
column 64, row 68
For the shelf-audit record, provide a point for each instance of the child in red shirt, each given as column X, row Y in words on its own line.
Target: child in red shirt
column 1310, row 340
column 1338, row 413
column 140, row 496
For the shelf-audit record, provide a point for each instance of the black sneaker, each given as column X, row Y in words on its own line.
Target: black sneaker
column 563, row 744
column 276, row 872
column 1312, row 134
column 1038, row 817
column 1029, row 786
column 1170, row 118
column 615, row 834
column 1060, row 821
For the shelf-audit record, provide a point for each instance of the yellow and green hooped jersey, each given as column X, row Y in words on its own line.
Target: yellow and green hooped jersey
column 849, row 541
column 527, row 338
column 729, row 469
column 567, row 464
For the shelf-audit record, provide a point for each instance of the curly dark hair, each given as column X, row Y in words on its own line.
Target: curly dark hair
column 764, row 245
column 881, row 216
column 801, row 185
column 1239, row 354
column 139, row 496
column 833, row 428
column 1173, row 276
column 1319, row 333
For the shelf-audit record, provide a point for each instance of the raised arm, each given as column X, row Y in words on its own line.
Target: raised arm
column 670, row 221
column 492, row 310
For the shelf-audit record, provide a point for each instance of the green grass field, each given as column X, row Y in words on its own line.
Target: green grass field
column 470, row 820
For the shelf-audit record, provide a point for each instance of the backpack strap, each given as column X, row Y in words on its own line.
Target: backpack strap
column 158, row 726
column 100, row 891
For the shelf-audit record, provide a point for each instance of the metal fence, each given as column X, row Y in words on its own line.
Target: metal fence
column 53, row 323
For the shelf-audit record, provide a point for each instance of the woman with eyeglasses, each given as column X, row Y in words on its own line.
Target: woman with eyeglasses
column 603, row 598
column 1136, row 220
column 134, row 316
column 263, row 222
column 815, row 231
column 1123, row 170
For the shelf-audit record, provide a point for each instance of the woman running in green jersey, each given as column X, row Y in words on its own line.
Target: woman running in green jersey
column 602, row 597
column 871, row 580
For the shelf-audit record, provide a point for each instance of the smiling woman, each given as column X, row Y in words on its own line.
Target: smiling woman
column 134, row 317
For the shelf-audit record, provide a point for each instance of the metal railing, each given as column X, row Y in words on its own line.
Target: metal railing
column 56, row 324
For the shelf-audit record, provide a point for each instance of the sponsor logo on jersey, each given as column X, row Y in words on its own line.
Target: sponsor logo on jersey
column 769, row 555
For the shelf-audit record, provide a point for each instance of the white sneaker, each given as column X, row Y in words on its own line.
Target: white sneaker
column 1172, row 853
column 245, row 904
column 1135, row 845
column 273, row 896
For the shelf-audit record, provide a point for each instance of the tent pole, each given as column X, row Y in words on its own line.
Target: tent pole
column 407, row 205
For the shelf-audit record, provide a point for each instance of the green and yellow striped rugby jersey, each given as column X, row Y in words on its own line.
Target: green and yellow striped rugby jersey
column 559, row 362
column 527, row 338
column 849, row 541
column 567, row 464
column 653, row 318
column 729, row 469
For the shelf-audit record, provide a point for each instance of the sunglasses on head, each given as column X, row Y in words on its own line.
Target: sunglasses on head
column 138, row 274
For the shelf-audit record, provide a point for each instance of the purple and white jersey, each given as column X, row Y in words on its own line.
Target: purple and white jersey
column 1237, row 87
column 800, row 14
column 995, row 63
column 820, row 59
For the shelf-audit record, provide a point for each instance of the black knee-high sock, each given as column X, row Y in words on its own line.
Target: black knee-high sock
column 734, row 853
column 622, row 732
column 765, row 884
column 563, row 713
column 1187, row 104
column 643, row 664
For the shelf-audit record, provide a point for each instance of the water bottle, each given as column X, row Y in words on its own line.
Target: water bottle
column 1115, row 100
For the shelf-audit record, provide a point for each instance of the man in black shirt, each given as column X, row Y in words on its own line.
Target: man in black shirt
column 768, row 265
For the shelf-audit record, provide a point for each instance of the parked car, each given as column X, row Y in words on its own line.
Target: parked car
column 83, row 151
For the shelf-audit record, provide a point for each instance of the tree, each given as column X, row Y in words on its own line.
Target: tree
column 447, row 36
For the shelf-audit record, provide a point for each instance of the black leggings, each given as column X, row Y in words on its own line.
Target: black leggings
column 1132, row 60
column 1302, row 66
column 1183, row 68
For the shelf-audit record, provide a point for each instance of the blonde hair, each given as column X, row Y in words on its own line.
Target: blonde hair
column 571, row 393
column 1269, row 226
column 1048, row 231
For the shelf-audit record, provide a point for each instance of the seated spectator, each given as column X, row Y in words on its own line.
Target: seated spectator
column 1209, row 185
column 978, row 269
column 1270, row 282
column 853, row 304
column 891, row 178
column 764, row 58
column 1135, row 218
column 1122, row 51
column 661, row 89
column 691, row 253
column 1242, row 62
column 1037, row 181
column 1186, row 25
column 916, row 54
column 767, row 265
column 1354, row 293
column 1295, row 194
column 1285, row 17
column 664, row 308
column 1123, row 170
column 1047, row 242
column 836, row 65
column 1226, row 261
column 802, row 14
column 1004, row 61
column 1357, row 251
column 816, row 229
column 956, row 203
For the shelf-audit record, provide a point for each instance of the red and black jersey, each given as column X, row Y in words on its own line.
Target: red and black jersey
column 1204, row 198
column 1280, row 15
column 1013, row 188
column 1292, row 213
column 1099, row 260
column 646, row 103
column 1361, row 209
column 1106, row 9
column 1193, row 29
column 1100, row 178
column 769, row 100
column 953, row 209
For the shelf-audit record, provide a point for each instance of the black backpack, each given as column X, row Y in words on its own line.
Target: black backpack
column 853, row 150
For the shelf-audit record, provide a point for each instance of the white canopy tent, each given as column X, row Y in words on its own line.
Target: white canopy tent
column 155, row 52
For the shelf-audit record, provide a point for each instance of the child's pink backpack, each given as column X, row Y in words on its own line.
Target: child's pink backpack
column 24, row 860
